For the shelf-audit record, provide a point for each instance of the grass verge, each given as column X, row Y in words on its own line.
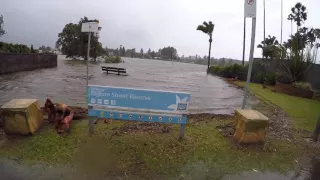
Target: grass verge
column 304, row 112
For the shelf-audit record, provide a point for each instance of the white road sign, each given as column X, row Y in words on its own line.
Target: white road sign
column 90, row 27
column 250, row 8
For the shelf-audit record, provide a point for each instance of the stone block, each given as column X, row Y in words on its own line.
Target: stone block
column 22, row 116
column 251, row 126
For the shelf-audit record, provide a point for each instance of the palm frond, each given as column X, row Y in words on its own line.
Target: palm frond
column 202, row 28
column 205, row 24
column 210, row 27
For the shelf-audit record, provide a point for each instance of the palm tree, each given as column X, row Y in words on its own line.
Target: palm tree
column 298, row 14
column 269, row 47
column 207, row 28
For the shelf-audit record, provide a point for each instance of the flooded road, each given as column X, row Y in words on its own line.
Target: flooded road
column 67, row 83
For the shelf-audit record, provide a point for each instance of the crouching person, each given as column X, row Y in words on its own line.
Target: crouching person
column 50, row 109
column 64, row 116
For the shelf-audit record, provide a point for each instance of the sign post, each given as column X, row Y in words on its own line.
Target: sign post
column 250, row 10
column 89, row 27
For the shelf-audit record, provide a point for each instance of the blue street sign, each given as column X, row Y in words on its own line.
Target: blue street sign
column 138, row 104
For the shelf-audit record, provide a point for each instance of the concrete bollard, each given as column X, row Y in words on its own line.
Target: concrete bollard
column 22, row 116
column 251, row 126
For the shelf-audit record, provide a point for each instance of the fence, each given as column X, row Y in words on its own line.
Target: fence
column 10, row 62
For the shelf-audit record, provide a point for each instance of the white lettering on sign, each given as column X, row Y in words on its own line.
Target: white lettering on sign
column 132, row 96
column 99, row 94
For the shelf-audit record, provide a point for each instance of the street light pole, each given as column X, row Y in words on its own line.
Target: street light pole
column 244, row 40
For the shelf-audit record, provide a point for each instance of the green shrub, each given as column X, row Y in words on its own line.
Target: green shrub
column 236, row 68
column 117, row 59
column 232, row 71
column 302, row 85
column 259, row 77
column 214, row 69
column 14, row 48
column 226, row 72
column 112, row 59
column 242, row 73
column 270, row 79
column 284, row 78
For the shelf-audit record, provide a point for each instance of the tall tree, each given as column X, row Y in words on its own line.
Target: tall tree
column 153, row 54
column 149, row 51
column 123, row 51
column 133, row 52
column 141, row 52
column 298, row 14
column 159, row 53
column 32, row 49
column 2, row 31
column 207, row 28
column 74, row 43
column 169, row 53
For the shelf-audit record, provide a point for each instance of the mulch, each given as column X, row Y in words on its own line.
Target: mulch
column 146, row 127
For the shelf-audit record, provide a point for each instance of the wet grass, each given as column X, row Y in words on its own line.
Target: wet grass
column 304, row 112
column 204, row 153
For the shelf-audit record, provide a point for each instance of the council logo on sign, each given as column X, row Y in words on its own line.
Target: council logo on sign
column 250, row 2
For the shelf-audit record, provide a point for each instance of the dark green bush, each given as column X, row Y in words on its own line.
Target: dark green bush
column 214, row 69
column 13, row 48
column 112, row 59
column 236, row 69
column 226, row 72
column 259, row 77
column 284, row 78
column 270, row 79
column 232, row 71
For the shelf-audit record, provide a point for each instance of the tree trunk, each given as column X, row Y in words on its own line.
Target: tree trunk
column 316, row 132
column 210, row 41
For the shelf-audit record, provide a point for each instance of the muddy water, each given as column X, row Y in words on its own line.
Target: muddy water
column 67, row 83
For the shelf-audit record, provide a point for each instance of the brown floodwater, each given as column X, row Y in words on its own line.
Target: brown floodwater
column 67, row 83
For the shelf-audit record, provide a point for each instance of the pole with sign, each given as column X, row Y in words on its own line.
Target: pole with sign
column 89, row 27
column 250, row 10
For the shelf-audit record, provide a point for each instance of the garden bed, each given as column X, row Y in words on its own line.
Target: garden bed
column 293, row 90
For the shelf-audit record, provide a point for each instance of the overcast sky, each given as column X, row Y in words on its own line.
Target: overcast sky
column 151, row 23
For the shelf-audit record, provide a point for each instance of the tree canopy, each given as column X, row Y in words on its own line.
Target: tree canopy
column 298, row 14
column 206, row 28
column 270, row 47
column 14, row 48
column 169, row 53
column 74, row 43
column 2, row 31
